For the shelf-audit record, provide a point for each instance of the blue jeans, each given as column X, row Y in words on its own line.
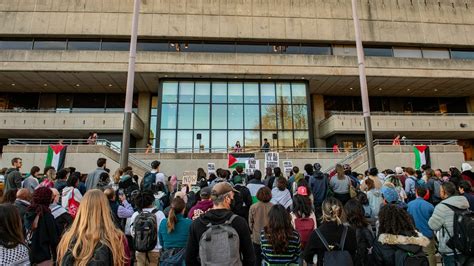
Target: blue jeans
column 450, row 260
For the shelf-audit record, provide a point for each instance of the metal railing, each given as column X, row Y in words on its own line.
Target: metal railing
column 64, row 111
column 330, row 113
column 231, row 150
column 409, row 142
column 99, row 142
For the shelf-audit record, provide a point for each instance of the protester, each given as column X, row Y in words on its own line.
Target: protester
column 104, row 181
column 41, row 226
column 13, row 176
column 255, row 184
column 265, row 146
column 203, row 205
column 93, row 238
column 421, row 211
column 71, row 191
column 155, row 169
column 49, row 179
column 281, row 194
column 319, row 184
column 22, row 201
column 465, row 190
column 61, row 180
column 355, row 218
column 434, row 185
column 94, row 177
column 374, row 175
column 173, row 233
column 280, row 243
column 397, row 235
column 258, row 218
column 391, row 196
column 332, row 229
column 62, row 218
column 31, row 182
column 242, row 199
column 443, row 219
column 10, row 196
column 120, row 210
column 467, row 173
column 147, row 215
column 302, row 216
column 340, row 184
column 269, row 178
column 200, row 252
column 410, row 184
column 13, row 249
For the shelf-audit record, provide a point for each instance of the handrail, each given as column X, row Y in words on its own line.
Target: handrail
column 231, row 150
column 101, row 142
column 330, row 113
column 64, row 111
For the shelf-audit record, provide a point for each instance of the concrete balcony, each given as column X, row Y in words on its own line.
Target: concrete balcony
column 43, row 123
column 415, row 125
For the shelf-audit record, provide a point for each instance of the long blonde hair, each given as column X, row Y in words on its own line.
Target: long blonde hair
column 93, row 224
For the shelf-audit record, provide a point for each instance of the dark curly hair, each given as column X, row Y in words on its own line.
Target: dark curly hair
column 279, row 230
column 302, row 206
column 394, row 220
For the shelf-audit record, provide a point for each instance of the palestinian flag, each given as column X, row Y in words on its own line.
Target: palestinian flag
column 56, row 156
column 239, row 159
column 422, row 155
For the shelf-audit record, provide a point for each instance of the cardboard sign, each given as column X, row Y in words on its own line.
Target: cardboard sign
column 272, row 159
column 211, row 168
column 288, row 167
column 189, row 178
column 251, row 165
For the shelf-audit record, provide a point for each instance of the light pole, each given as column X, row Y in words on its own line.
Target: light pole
column 363, row 88
column 127, row 116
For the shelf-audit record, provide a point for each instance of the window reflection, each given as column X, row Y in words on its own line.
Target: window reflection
column 251, row 116
column 219, row 92
column 203, row 92
column 283, row 91
column 235, row 136
column 185, row 140
column 83, row 45
column 284, row 117
column 186, row 92
column 185, row 116
column 49, row 45
column 168, row 116
column 236, row 116
column 300, row 117
column 204, row 142
column 267, row 93
column 298, row 92
column 301, row 139
column 201, row 116
column 269, row 117
column 219, row 139
column 285, row 139
column 170, row 92
column 167, row 140
column 251, row 92
column 235, row 92
column 219, row 116
column 252, row 139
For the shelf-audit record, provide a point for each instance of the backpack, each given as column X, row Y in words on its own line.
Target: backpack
column 220, row 245
column 149, row 182
column 146, row 231
column 305, row 227
column 463, row 229
column 336, row 257
column 404, row 257
column 72, row 205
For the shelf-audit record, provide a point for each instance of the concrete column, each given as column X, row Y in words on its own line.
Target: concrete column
column 144, row 104
column 470, row 104
column 317, row 102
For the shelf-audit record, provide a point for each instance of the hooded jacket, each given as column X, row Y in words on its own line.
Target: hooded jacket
column 442, row 220
column 45, row 238
column 199, row 209
column 375, row 200
column 219, row 216
column 383, row 251
column 319, row 184
column 13, row 179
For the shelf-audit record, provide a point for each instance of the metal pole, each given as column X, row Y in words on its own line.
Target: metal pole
column 363, row 88
column 127, row 116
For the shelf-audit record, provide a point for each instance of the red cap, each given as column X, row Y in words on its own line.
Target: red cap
column 302, row 191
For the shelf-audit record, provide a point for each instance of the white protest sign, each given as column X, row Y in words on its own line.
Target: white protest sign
column 189, row 178
column 272, row 159
column 211, row 168
column 288, row 167
column 251, row 165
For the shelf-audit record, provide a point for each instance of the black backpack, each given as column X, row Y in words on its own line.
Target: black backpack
column 337, row 256
column 405, row 257
column 145, row 227
column 463, row 229
column 149, row 182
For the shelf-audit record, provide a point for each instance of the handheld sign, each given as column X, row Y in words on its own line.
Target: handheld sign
column 189, row 178
column 272, row 159
column 211, row 168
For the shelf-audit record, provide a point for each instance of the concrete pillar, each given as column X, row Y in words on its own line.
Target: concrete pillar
column 470, row 104
column 317, row 102
column 144, row 104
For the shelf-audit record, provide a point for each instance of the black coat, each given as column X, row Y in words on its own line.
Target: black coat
column 242, row 201
column 102, row 257
column 332, row 232
column 45, row 238
column 365, row 240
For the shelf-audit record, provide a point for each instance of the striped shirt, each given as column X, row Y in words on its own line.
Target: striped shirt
column 289, row 257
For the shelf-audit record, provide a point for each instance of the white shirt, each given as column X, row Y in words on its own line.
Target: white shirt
column 159, row 217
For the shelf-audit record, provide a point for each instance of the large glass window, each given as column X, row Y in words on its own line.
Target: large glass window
column 167, row 140
column 16, row 44
column 50, row 45
column 83, row 45
column 224, row 112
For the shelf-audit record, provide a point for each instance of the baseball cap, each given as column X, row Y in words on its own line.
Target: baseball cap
column 389, row 194
column 398, row 170
column 222, row 188
column 302, row 190
column 206, row 192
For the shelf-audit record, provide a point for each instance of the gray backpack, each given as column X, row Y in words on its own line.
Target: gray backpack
column 336, row 255
column 220, row 245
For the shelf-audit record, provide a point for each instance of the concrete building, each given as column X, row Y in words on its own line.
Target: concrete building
column 237, row 70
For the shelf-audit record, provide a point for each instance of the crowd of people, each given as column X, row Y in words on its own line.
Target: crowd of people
column 394, row 217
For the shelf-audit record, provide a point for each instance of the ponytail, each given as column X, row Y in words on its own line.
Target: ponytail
column 333, row 211
column 177, row 207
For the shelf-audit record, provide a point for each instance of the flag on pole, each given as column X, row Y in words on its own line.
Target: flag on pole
column 422, row 155
column 56, row 156
column 239, row 159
